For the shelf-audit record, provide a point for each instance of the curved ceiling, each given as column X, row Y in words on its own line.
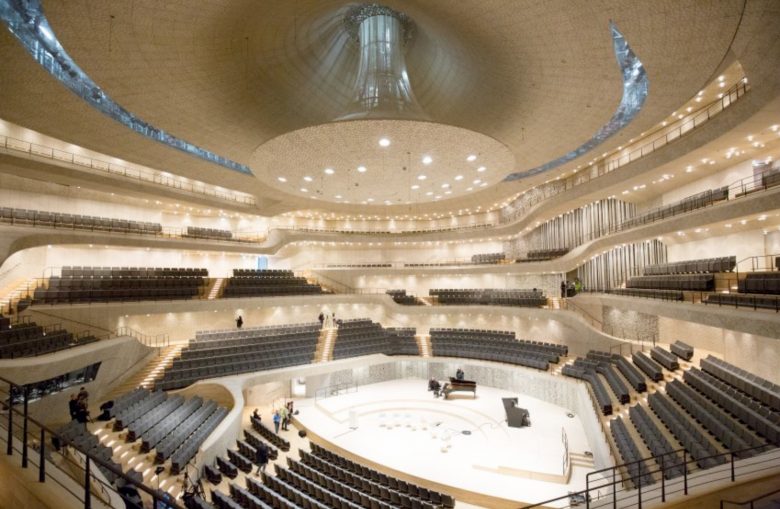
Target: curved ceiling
column 538, row 77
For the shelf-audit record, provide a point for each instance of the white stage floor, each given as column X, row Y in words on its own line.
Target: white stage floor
column 401, row 425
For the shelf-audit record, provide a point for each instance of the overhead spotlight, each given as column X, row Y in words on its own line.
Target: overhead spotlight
column 338, row 196
column 329, row 171
column 471, row 158
column 481, row 169
column 429, row 193
column 307, row 178
column 415, row 186
column 427, row 160
column 281, row 179
column 361, row 169
column 421, row 177
column 458, row 177
column 384, row 142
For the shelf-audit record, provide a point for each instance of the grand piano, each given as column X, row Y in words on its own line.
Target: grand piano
column 455, row 385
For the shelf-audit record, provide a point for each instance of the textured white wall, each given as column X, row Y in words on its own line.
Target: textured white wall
column 741, row 244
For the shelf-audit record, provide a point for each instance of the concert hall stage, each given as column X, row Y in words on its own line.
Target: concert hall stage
column 400, row 425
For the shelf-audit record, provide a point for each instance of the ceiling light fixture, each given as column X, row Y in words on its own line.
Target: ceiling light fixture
column 421, row 177
column 281, row 179
column 471, row 158
column 481, row 169
column 329, row 171
column 384, row 142
column 427, row 160
column 304, row 190
column 458, row 177
column 415, row 186
column 361, row 169
column 307, row 178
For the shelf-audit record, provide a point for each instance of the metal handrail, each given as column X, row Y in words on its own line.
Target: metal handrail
column 751, row 501
column 652, row 462
column 38, row 150
column 87, row 478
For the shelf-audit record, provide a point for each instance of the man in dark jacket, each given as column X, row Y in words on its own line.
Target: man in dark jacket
column 262, row 458
column 73, row 406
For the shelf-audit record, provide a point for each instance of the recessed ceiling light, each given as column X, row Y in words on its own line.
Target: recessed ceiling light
column 369, row 200
column 445, row 186
column 477, row 182
column 304, row 190
column 281, row 179
column 338, row 196
column 427, row 160
column 447, row 192
column 469, row 189
column 384, row 142
column 415, row 186
column 481, row 169
column 329, row 171
column 458, row 177
column 421, row 177
column 429, row 193
column 307, row 178
column 471, row 158
column 361, row 169
column 483, row 184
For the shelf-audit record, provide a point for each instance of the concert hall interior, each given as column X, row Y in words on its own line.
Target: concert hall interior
column 417, row 254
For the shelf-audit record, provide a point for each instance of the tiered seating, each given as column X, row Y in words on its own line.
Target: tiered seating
column 360, row 337
column 100, row 284
column 682, row 350
column 78, row 222
column 637, row 470
column 756, row 387
column 151, row 418
column 760, row 282
column 728, row 432
column 649, row 366
column 745, row 300
column 487, row 258
column 378, row 484
column 689, row 436
column 29, row 339
column 267, row 495
column 496, row 297
column 190, row 446
column 665, row 358
column 545, row 254
column 240, row 461
column 633, row 375
column 686, row 282
column 222, row 353
column 650, row 294
column 499, row 346
column 603, row 366
column 76, row 434
column 688, row 204
column 154, row 435
column 400, row 297
column 586, row 370
column 663, row 451
column 401, row 341
column 255, row 441
column 208, row 233
column 170, row 444
column 702, row 266
column 763, row 419
column 269, row 435
column 195, row 502
column 127, row 400
column 261, row 283
column 226, row 468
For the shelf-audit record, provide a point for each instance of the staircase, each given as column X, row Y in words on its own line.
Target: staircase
column 149, row 374
column 10, row 295
column 555, row 302
column 215, row 289
column 424, row 345
column 324, row 351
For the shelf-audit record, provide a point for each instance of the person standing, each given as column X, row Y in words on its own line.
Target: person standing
column 563, row 288
column 277, row 420
column 321, row 318
column 262, row 458
column 284, row 416
column 73, row 407
column 239, row 321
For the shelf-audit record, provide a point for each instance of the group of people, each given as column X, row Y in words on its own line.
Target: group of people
column 78, row 406
column 327, row 320
column 571, row 288
column 435, row 386
column 281, row 416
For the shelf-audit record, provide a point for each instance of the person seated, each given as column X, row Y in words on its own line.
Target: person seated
column 435, row 386
column 256, row 414
column 459, row 375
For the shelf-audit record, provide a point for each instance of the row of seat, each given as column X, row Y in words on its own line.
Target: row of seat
column 589, row 375
column 195, row 437
column 688, row 204
column 668, row 461
column 75, row 283
column 649, row 294
column 486, row 258
column 651, row 368
column 759, row 388
column 400, row 297
column 76, row 221
column 156, row 433
column 401, row 341
column 665, row 358
column 28, row 340
column 738, row 300
column 759, row 417
column 686, row 282
column 545, row 254
column 265, row 432
column 131, row 272
column 208, row 233
column 483, row 335
column 269, row 291
column 638, row 473
column 253, row 332
column 71, row 296
column 628, row 370
column 488, row 296
column 760, row 282
column 682, row 350
column 704, row 265
column 76, row 435
column 173, row 441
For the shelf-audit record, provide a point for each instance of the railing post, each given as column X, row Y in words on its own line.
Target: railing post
column 614, row 490
column 732, row 467
column 87, row 492
column 42, row 457
column 10, row 448
column 663, row 480
column 587, row 491
column 639, row 489
column 24, row 427
column 685, row 472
